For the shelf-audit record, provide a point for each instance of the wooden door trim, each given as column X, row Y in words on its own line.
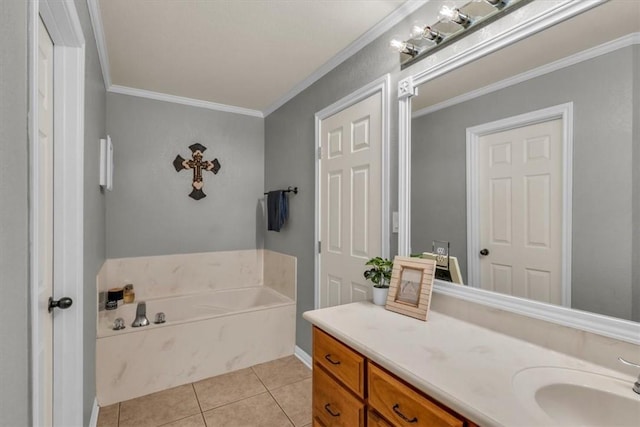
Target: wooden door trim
column 381, row 85
column 563, row 112
column 63, row 24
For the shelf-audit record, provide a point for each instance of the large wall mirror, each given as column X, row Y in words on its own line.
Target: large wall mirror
column 526, row 160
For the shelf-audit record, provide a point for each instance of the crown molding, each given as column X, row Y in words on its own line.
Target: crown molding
column 98, row 33
column 158, row 96
column 594, row 52
column 379, row 29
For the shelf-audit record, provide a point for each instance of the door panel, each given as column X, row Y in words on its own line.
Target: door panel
column 334, row 205
column 350, row 200
column 360, row 211
column 520, row 202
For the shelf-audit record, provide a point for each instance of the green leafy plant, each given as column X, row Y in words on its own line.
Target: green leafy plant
column 380, row 272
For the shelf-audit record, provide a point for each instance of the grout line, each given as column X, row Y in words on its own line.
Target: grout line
column 179, row 419
column 283, row 411
column 236, row 401
column 277, row 388
column 204, row 420
column 295, row 382
column 197, row 398
column 277, row 403
column 273, row 397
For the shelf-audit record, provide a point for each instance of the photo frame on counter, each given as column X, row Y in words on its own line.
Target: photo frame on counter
column 411, row 286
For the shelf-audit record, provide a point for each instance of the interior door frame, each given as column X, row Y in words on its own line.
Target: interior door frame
column 63, row 24
column 563, row 112
column 381, row 85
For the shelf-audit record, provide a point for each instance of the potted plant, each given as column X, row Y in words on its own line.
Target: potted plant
column 380, row 275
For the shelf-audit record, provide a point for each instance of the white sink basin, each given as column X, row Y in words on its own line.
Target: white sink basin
column 570, row 397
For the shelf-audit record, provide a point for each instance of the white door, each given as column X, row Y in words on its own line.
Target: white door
column 520, row 218
column 350, row 200
column 43, row 238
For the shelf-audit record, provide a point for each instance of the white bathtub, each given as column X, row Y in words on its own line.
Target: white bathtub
column 205, row 334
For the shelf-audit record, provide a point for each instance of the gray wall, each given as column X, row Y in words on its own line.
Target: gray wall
column 290, row 157
column 14, row 318
column 602, row 190
column 149, row 211
column 94, row 202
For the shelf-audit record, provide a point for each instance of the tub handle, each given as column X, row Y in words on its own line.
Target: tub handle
column 333, row 362
column 327, row 408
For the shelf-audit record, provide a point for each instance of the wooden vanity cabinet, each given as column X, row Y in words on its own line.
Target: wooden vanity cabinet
column 351, row 391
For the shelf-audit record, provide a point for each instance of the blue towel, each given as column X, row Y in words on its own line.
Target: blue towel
column 283, row 214
column 277, row 210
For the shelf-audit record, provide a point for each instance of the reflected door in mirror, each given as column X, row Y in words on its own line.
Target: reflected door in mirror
column 520, row 211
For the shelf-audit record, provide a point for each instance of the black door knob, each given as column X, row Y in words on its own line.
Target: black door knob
column 484, row 252
column 62, row 303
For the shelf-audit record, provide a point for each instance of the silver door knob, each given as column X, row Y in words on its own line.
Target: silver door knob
column 484, row 252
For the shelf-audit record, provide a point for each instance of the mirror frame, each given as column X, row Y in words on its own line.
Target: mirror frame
column 530, row 19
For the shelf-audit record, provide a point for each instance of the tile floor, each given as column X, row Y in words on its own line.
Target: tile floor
column 272, row 394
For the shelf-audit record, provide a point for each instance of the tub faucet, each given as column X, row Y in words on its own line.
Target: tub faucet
column 636, row 386
column 141, row 315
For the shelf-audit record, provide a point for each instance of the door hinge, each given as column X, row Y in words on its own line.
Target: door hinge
column 319, row 153
column 319, row 247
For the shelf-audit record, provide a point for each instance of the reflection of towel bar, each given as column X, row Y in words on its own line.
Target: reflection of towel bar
column 293, row 190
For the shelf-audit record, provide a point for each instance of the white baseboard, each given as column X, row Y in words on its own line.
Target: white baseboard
column 93, row 421
column 303, row 356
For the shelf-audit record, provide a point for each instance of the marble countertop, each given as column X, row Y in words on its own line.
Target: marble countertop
column 466, row 367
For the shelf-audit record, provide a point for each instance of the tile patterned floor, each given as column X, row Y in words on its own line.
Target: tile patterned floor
column 272, row 394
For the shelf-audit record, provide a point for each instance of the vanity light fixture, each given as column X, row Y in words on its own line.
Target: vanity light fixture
column 453, row 23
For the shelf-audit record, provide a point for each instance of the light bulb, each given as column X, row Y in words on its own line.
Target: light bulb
column 398, row 45
column 403, row 47
column 448, row 13
column 416, row 32
column 426, row 33
column 454, row 15
column 433, row 35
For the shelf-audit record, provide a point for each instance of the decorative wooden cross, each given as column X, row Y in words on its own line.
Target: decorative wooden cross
column 197, row 164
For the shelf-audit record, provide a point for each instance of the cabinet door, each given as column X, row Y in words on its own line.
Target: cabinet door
column 402, row 405
column 333, row 405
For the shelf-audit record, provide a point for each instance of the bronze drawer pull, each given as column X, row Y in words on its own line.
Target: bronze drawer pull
column 333, row 362
column 328, row 409
column 396, row 409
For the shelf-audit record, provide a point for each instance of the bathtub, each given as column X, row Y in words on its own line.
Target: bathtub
column 205, row 334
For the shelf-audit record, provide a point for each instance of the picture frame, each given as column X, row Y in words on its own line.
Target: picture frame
column 411, row 286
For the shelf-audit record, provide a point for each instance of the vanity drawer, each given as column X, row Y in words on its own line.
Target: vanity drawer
column 332, row 404
column 339, row 360
column 404, row 406
column 375, row 420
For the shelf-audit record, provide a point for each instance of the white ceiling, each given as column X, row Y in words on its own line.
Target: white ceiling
column 251, row 54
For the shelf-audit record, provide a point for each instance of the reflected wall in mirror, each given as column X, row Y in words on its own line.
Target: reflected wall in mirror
column 503, row 147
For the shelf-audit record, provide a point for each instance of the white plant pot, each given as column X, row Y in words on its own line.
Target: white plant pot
column 380, row 295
